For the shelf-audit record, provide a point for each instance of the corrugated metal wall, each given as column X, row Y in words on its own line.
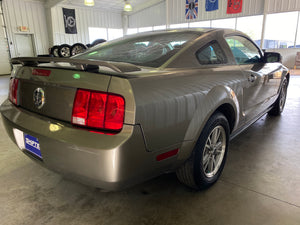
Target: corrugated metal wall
column 153, row 16
column 276, row 6
column 176, row 10
column 5, row 67
column 156, row 15
column 30, row 14
column 85, row 18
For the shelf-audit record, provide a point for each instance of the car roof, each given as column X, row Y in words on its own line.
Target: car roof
column 197, row 31
column 168, row 31
column 182, row 30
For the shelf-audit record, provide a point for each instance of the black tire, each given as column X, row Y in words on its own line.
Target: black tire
column 278, row 106
column 64, row 51
column 54, row 51
column 195, row 172
column 97, row 41
column 77, row 48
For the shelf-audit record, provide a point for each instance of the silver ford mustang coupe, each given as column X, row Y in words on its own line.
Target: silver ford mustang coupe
column 131, row 109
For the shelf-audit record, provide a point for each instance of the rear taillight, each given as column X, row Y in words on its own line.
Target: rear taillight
column 98, row 110
column 13, row 90
column 114, row 113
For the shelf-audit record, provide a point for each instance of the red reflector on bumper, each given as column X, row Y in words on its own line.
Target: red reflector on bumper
column 167, row 154
column 41, row 72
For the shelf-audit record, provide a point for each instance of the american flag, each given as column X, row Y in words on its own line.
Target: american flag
column 191, row 9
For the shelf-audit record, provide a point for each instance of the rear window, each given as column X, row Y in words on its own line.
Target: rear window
column 152, row 50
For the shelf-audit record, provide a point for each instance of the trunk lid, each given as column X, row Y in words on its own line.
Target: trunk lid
column 58, row 90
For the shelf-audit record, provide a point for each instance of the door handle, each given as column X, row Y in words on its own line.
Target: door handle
column 251, row 78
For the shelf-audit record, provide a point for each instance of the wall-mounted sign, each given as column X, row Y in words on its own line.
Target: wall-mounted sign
column 211, row 5
column 69, row 21
column 23, row 28
column 191, row 9
column 234, row 6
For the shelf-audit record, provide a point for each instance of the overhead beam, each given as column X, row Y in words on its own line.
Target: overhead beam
column 52, row 3
column 145, row 5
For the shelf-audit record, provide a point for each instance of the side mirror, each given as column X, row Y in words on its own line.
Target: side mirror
column 271, row 57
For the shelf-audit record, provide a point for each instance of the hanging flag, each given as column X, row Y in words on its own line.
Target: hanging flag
column 234, row 6
column 191, row 9
column 211, row 5
column 70, row 21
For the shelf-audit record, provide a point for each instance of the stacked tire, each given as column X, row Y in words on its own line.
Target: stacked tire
column 77, row 49
column 66, row 50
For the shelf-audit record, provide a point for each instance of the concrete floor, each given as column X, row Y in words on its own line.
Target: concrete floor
column 259, row 185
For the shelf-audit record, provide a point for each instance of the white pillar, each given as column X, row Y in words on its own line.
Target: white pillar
column 296, row 34
column 266, row 6
column 167, row 14
column 48, row 5
column 49, row 26
column 125, row 21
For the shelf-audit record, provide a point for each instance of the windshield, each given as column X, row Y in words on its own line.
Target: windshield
column 152, row 50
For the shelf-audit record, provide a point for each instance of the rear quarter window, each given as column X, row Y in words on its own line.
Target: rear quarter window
column 211, row 54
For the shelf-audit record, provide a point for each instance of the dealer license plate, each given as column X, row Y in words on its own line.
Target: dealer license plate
column 32, row 145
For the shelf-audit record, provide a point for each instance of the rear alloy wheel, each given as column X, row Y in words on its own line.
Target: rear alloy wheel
column 205, row 165
column 280, row 102
column 64, row 51
column 214, row 150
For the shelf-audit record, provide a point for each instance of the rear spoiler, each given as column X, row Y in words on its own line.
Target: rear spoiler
column 82, row 64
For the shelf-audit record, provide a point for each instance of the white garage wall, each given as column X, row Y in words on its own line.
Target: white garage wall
column 288, row 55
column 157, row 15
column 176, row 10
column 85, row 17
column 153, row 16
column 276, row 6
column 30, row 14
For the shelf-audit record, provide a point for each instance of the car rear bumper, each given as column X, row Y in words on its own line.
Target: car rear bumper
column 109, row 162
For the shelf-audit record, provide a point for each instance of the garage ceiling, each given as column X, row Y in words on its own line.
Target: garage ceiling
column 115, row 5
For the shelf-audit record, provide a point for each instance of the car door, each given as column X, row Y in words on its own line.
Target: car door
column 263, row 80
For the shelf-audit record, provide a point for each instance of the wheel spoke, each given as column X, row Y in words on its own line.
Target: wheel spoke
column 207, row 146
column 205, row 165
column 205, row 159
column 208, row 142
column 215, row 136
column 218, row 147
column 214, row 161
column 211, row 165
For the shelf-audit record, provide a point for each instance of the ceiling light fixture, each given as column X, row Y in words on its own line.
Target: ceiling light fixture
column 127, row 6
column 89, row 2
